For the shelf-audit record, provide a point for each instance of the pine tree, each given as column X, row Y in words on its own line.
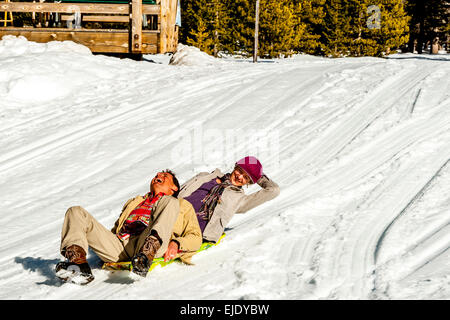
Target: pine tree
column 336, row 28
column 204, row 22
column 239, row 27
column 188, row 21
column 359, row 28
column 200, row 37
column 381, row 27
column 330, row 27
column 278, row 28
column 310, row 19
column 394, row 25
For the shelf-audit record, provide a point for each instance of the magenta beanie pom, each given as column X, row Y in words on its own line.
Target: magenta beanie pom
column 252, row 167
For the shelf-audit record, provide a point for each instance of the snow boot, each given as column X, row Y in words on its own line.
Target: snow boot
column 76, row 269
column 142, row 261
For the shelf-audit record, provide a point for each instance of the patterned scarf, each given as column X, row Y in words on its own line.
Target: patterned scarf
column 213, row 197
column 139, row 218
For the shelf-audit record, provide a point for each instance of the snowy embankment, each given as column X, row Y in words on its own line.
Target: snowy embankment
column 360, row 148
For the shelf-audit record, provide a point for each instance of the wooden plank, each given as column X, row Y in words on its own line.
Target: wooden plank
column 74, row 7
column 30, row 29
column 150, row 41
column 136, row 26
column 125, row 19
column 97, row 40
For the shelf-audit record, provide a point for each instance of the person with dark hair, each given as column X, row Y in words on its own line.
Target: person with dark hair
column 175, row 182
column 216, row 196
column 150, row 226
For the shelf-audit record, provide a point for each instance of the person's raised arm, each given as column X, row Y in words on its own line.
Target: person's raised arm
column 269, row 190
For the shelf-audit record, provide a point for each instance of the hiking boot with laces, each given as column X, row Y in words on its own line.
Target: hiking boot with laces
column 142, row 261
column 76, row 269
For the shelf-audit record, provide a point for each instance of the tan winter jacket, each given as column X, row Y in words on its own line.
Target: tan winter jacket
column 186, row 230
column 233, row 200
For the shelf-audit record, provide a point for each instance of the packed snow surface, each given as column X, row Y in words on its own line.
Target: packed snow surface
column 359, row 146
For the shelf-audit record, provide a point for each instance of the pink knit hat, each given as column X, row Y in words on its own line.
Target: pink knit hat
column 252, row 167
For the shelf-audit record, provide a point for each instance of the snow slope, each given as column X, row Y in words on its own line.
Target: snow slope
column 359, row 146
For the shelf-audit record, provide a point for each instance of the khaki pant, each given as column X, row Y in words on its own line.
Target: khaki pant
column 81, row 228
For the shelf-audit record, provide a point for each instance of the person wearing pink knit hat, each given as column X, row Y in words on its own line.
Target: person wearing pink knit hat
column 216, row 196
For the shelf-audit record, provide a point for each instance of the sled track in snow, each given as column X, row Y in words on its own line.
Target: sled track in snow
column 27, row 153
column 333, row 225
column 415, row 198
column 318, row 153
column 375, row 213
column 424, row 256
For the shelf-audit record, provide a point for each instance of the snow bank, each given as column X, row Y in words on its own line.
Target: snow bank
column 39, row 72
column 11, row 46
column 191, row 56
column 41, row 79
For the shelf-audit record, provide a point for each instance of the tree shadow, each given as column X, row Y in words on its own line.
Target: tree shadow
column 45, row 267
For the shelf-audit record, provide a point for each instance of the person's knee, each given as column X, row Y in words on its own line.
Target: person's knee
column 76, row 211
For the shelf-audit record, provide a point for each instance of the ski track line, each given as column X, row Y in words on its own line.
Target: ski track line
column 417, row 134
column 427, row 254
column 340, row 174
column 408, row 205
column 90, row 100
column 43, row 146
column 345, row 132
column 44, row 118
column 370, row 237
column 326, row 119
column 397, row 149
column 392, row 104
column 289, row 133
column 131, row 152
column 312, row 83
column 354, row 280
column 410, row 262
column 397, row 139
column 289, row 95
column 322, row 140
column 45, row 142
column 440, row 228
column 419, row 252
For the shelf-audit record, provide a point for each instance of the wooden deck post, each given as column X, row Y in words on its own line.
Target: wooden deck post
column 136, row 26
column 164, row 4
column 168, row 34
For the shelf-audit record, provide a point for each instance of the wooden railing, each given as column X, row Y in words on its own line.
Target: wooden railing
column 132, row 39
